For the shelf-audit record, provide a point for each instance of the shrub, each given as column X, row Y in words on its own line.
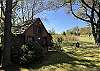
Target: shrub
column 28, row 54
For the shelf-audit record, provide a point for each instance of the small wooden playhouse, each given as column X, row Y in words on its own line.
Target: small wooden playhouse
column 33, row 30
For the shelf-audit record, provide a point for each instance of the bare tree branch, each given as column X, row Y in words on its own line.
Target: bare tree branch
column 2, row 18
column 90, row 6
column 78, row 16
column 86, row 11
column 2, row 8
column 14, row 4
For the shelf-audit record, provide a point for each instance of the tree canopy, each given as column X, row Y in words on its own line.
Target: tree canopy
column 88, row 11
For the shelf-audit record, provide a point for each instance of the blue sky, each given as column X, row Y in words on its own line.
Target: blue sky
column 60, row 20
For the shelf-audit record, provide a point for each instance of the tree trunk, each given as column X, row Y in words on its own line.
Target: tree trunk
column 94, row 32
column 7, row 36
column 98, row 28
column 98, row 32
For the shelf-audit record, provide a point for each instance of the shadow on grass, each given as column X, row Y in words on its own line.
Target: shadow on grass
column 54, row 57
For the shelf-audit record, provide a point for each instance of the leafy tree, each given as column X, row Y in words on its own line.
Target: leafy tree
column 74, row 30
column 64, row 33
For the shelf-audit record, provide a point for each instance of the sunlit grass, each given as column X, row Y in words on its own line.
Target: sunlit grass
column 23, row 69
column 72, row 58
column 86, row 38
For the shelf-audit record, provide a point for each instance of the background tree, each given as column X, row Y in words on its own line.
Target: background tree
column 88, row 11
column 10, row 8
column 64, row 33
column 27, row 9
column 52, row 31
column 7, row 36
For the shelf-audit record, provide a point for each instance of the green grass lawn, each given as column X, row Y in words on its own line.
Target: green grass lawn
column 83, row 40
column 87, row 39
column 72, row 58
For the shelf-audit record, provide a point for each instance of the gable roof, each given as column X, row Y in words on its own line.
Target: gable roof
column 26, row 26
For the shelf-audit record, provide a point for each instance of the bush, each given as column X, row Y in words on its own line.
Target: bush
column 56, row 46
column 28, row 54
